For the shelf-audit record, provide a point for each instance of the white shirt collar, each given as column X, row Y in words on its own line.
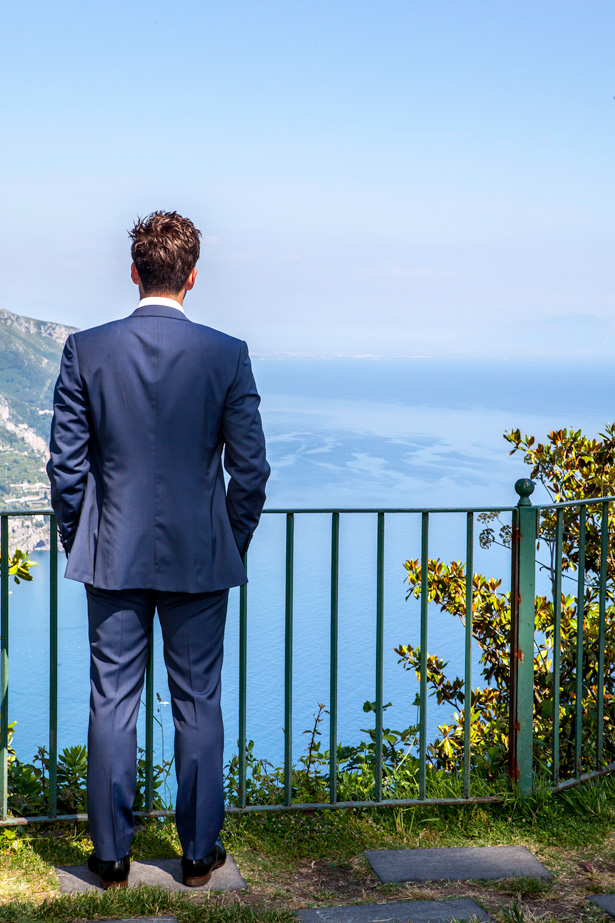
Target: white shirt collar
column 155, row 299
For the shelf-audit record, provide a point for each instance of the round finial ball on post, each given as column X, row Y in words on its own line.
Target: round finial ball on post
column 525, row 489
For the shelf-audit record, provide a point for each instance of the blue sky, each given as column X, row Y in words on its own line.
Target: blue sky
column 392, row 178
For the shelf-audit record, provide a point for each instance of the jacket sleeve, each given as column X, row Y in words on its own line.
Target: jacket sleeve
column 69, row 464
column 244, row 453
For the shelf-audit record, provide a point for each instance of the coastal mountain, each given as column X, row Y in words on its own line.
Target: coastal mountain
column 29, row 361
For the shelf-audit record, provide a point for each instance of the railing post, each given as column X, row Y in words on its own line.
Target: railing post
column 379, row 656
column 149, row 727
column 334, row 656
column 288, row 661
column 4, row 664
column 243, row 688
column 53, row 667
column 522, row 607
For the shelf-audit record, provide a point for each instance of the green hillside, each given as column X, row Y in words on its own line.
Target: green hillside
column 29, row 360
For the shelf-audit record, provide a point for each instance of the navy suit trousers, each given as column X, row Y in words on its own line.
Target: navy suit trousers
column 120, row 627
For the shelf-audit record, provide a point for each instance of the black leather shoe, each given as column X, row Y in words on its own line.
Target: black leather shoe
column 196, row 872
column 112, row 874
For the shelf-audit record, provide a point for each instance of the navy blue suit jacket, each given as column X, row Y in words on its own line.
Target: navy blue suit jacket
column 143, row 409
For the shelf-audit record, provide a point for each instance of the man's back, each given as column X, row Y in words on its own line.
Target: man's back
column 144, row 408
column 163, row 395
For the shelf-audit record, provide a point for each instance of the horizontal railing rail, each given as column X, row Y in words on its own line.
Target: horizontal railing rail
column 525, row 532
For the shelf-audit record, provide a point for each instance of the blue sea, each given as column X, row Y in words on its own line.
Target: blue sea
column 340, row 433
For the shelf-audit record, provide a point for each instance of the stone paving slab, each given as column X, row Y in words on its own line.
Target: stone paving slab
column 457, row 863
column 606, row 901
column 166, row 873
column 401, row 911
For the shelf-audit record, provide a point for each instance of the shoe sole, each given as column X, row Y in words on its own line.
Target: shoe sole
column 108, row 885
column 197, row 882
column 191, row 882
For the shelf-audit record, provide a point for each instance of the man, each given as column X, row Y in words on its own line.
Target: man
column 144, row 407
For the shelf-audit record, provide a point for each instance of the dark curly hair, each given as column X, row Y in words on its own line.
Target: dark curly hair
column 165, row 249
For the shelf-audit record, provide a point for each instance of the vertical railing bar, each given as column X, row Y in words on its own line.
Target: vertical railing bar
column 4, row 664
column 604, row 549
column 149, row 726
column 288, row 662
column 557, row 639
column 333, row 655
column 379, row 654
column 243, row 687
column 423, row 656
column 523, row 622
column 53, row 667
column 578, row 736
column 515, row 601
column 467, row 685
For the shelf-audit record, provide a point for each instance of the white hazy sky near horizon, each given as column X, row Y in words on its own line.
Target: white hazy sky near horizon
column 392, row 178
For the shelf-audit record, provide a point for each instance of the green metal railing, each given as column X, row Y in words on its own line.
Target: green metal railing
column 525, row 531
column 379, row 515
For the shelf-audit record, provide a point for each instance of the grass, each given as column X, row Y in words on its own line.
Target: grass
column 316, row 859
column 135, row 902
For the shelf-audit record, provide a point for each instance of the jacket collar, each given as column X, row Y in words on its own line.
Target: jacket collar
column 158, row 310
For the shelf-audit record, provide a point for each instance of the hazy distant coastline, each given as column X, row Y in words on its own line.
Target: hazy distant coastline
column 340, row 428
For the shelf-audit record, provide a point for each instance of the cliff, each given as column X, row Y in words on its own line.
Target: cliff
column 29, row 361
